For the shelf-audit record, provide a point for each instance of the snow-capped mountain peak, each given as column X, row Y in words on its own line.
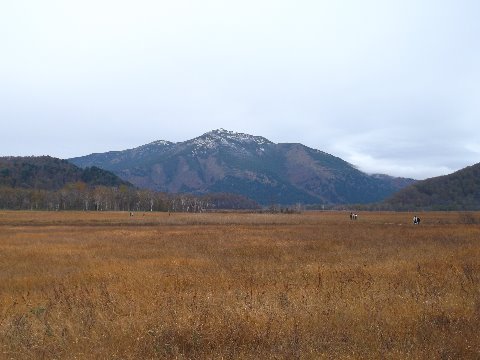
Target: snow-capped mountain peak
column 226, row 138
column 227, row 161
column 238, row 142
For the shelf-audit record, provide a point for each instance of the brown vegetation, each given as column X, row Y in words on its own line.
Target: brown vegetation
column 307, row 286
column 457, row 191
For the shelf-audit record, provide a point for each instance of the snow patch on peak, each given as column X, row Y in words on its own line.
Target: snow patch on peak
column 153, row 146
column 239, row 142
column 161, row 143
column 224, row 136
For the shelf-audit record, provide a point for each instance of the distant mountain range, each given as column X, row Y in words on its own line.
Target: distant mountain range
column 47, row 183
column 457, row 191
column 48, row 173
column 226, row 162
column 252, row 166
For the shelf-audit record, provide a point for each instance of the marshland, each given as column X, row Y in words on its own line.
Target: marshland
column 314, row 285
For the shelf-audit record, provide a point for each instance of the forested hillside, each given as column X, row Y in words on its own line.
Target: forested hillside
column 48, row 173
column 46, row 183
column 252, row 166
column 457, row 191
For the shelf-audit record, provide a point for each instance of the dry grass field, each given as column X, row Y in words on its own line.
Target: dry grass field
column 316, row 285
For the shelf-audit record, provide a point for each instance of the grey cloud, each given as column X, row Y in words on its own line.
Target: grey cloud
column 391, row 87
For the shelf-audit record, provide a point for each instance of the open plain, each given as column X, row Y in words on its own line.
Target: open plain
column 100, row 285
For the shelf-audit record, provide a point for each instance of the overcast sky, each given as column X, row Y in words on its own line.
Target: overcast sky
column 390, row 86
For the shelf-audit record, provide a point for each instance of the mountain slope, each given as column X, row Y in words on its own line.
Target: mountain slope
column 117, row 160
column 48, row 173
column 457, row 191
column 225, row 161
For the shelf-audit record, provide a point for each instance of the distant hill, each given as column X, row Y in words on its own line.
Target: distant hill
column 46, row 183
column 457, row 191
column 252, row 166
column 48, row 173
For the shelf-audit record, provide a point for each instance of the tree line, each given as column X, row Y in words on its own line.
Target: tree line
column 80, row 196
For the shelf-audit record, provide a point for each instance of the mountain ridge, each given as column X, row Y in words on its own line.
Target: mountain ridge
column 49, row 173
column 253, row 166
column 459, row 190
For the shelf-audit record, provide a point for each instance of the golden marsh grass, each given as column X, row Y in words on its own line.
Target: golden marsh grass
column 81, row 285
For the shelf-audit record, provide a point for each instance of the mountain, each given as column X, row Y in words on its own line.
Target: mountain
column 48, row 173
column 253, row 166
column 457, row 191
